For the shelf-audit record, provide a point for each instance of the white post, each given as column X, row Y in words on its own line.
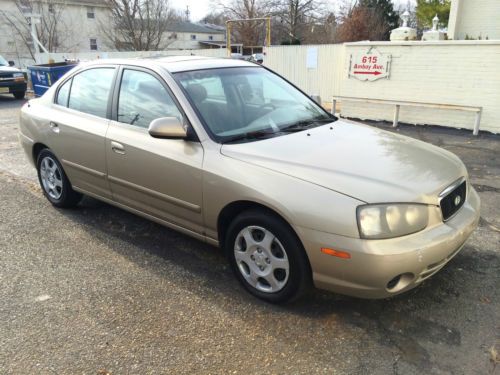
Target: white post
column 477, row 123
column 396, row 116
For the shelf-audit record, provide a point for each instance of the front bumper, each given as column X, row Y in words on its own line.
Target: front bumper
column 374, row 263
column 12, row 86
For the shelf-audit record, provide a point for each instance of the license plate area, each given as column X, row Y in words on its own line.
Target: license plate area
column 4, row 90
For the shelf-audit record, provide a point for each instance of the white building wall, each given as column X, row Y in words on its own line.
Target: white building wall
column 474, row 19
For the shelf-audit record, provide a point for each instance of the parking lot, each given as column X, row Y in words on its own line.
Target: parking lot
column 97, row 290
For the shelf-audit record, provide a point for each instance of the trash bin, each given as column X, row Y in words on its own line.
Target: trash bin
column 44, row 75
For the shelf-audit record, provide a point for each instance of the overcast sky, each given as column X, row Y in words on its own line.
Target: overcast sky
column 199, row 8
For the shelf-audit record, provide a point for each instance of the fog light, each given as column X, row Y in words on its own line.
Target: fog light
column 391, row 284
column 400, row 282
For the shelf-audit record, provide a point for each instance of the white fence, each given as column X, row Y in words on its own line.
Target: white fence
column 457, row 73
column 291, row 63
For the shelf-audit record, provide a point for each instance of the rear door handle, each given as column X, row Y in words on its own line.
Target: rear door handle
column 54, row 127
column 117, row 147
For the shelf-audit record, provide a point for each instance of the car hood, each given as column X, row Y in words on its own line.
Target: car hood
column 357, row 160
column 8, row 69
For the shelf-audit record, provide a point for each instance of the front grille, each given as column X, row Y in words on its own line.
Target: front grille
column 452, row 201
column 5, row 77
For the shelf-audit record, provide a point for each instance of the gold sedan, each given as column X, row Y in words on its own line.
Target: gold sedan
column 231, row 153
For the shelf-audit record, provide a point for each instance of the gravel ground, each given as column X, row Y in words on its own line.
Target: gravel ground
column 97, row 290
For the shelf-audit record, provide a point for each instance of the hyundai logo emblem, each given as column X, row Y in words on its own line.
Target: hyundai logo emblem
column 457, row 200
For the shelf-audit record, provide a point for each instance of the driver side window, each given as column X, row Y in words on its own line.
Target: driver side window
column 142, row 99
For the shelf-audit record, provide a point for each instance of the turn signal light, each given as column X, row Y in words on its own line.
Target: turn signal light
column 336, row 253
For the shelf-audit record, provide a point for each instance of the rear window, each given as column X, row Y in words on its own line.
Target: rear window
column 63, row 94
column 90, row 91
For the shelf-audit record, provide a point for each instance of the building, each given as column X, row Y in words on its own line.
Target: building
column 70, row 26
column 474, row 19
column 189, row 35
column 63, row 25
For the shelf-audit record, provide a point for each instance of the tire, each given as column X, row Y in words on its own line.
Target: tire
column 267, row 257
column 19, row 95
column 54, row 182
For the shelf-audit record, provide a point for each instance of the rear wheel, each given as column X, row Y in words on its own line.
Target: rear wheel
column 267, row 257
column 19, row 94
column 55, row 185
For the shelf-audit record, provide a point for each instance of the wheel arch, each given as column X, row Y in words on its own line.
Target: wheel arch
column 233, row 209
column 37, row 148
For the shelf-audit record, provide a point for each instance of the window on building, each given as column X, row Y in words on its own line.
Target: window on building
column 93, row 44
column 51, row 8
column 193, row 37
column 90, row 91
column 210, row 37
column 90, row 12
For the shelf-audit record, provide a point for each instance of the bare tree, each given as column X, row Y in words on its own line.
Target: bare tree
column 301, row 17
column 215, row 18
column 248, row 33
column 361, row 23
column 139, row 25
column 52, row 31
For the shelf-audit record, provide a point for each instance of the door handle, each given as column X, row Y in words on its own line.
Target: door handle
column 117, row 147
column 54, row 127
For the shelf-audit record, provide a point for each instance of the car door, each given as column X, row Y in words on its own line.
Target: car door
column 160, row 177
column 78, row 124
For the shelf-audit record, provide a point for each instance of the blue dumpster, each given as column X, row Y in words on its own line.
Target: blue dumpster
column 44, row 75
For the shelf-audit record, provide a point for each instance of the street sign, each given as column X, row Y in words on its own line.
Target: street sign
column 370, row 65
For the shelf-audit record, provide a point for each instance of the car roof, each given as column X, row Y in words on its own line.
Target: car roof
column 175, row 64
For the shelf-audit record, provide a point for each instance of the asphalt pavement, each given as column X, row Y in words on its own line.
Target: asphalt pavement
column 96, row 290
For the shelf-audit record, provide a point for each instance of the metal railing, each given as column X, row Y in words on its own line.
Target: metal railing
column 398, row 103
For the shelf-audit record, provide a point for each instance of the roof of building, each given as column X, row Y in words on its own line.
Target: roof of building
column 191, row 27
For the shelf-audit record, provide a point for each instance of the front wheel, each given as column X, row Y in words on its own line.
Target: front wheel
column 267, row 257
column 54, row 182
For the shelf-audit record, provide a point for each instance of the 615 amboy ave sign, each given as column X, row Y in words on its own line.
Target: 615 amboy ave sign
column 370, row 65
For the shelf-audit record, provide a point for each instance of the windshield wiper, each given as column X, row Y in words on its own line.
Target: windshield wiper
column 306, row 124
column 247, row 136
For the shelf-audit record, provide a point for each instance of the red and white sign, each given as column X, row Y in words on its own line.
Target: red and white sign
column 370, row 66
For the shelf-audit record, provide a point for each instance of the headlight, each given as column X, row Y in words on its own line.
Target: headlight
column 391, row 220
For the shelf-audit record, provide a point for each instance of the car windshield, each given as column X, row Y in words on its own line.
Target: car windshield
column 3, row 62
column 249, row 103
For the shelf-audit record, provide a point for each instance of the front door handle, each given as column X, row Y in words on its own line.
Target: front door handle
column 117, row 147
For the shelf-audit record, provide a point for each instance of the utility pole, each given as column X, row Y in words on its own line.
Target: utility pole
column 33, row 20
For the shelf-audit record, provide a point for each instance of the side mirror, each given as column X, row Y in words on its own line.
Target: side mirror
column 11, row 63
column 167, row 127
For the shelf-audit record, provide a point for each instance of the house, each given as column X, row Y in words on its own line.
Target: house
column 62, row 25
column 190, row 35
column 72, row 26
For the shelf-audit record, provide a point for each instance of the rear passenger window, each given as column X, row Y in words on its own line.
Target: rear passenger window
column 90, row 91
column 63, row 94
column 143, row 99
